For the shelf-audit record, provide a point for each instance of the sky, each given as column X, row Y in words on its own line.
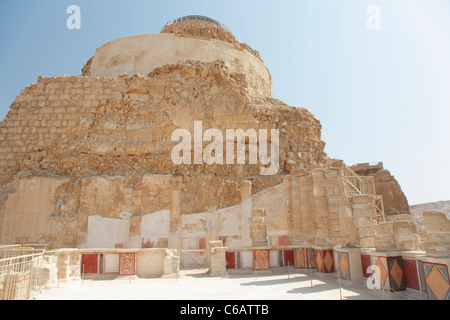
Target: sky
column 381, row 94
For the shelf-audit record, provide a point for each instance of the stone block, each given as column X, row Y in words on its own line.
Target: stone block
column 363, row 222
column 323, row 223
column 345, row 211
column 363, row 198
column 332, row 173
column 367, row 242
column 365, row 213
column 385, row 228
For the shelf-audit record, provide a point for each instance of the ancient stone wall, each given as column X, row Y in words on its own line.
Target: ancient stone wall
column 206, row 30
column 394, row 200
column 397, row 235
column 144, row 53
column 437, row 226
column 96, row 138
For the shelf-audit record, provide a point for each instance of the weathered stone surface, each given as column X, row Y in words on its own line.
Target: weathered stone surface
column 397, row 235
column 258, row 230
column 206, row 30
column 437, row 226
column 217, row 259
column 86, row 161
column 394, row 200
column 119, row 128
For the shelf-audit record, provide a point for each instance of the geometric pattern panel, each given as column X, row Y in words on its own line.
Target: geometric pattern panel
column 311, row 255
column 127, row 263
column 383, row 273
column 437, row 281
column 365, row 262
column 325, row 261
column 410, row 274
column 396, row 278
column 300, row 258
column 262, row 260
column 344, row 265
column 319, row 260
column 422, row 277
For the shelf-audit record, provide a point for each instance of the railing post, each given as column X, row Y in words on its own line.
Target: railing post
column 30, row 283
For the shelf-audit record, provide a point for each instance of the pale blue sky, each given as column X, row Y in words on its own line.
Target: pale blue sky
column 381, row 95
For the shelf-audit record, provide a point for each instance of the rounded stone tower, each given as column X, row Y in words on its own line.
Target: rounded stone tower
column 194, row 38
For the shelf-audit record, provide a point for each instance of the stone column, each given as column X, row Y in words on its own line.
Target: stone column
column 334, row 193
column 307, row 209
column 69, row 266
column 322, row 217
column 171, row 264
column 294, row 207
column 365, row 215
column 258, row 230
column 245, row 189
column 218, row 261
column 175, row 217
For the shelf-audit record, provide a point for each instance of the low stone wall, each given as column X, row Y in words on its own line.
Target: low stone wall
column 438, row 233
column 69, row 266
column 397, row 235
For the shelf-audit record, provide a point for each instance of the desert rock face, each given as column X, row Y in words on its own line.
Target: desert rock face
column 394, row 200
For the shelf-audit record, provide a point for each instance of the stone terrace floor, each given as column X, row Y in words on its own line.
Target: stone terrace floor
column 197, row 285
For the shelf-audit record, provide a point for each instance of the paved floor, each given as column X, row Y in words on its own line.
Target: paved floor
column 199, row 286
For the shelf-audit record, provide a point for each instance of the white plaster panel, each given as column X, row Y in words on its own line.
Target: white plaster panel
column 107, row 232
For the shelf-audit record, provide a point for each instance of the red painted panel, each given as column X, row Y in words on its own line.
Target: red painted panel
column 365, row 262
column 163, row 243
column 289, row 258
column 202, row 245
column 146, row 244
column 410, row 274
column 231, row 260
column 284, row 240
column 122, row 245
column 89, row 263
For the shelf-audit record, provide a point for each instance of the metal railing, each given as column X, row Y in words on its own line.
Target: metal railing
column 20, row 273
column 358, row 184
column 191, row 259
column 355, row 184
column 187, row 18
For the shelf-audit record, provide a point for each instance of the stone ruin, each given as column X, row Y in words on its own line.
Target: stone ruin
column 86, row 164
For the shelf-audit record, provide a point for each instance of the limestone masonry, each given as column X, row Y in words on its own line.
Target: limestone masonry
column 86, row 163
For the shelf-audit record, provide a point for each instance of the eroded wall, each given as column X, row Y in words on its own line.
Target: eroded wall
column 144, row 53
